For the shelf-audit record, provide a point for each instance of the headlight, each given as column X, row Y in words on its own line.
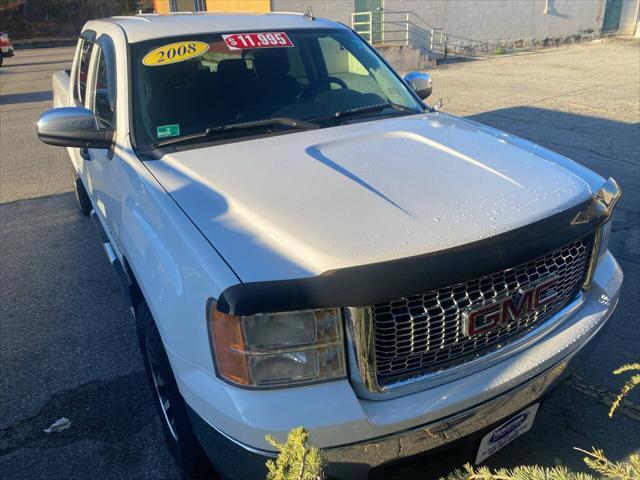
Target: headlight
column 277, row 349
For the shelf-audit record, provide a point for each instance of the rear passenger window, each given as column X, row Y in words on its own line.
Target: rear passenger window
column 80, row 90
column 102, row 108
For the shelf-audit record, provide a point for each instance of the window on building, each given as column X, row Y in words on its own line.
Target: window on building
column 182, row 5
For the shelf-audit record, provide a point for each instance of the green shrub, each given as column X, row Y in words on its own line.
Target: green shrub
column 296, row 460
column 595, row 460
column 517, row 473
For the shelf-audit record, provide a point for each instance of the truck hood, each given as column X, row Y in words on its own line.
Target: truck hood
column 301, row 204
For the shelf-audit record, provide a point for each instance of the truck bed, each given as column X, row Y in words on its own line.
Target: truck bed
column 61, row 83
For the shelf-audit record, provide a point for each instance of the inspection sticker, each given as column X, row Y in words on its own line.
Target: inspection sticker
column 240, row 41
column 168, row 131
column 174, row 53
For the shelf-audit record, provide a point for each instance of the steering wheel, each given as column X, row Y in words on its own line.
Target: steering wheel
column 311, row 90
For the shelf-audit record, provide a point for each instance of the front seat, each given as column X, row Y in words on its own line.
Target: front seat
column 233, row 78
column 272, row 87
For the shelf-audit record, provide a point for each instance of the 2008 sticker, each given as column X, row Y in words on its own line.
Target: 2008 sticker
column 174, row 53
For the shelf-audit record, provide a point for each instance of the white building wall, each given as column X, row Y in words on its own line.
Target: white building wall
column 339, row 10
column 482, row 21
column 494, row 20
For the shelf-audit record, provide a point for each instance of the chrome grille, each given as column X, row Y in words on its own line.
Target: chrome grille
column 423, row 333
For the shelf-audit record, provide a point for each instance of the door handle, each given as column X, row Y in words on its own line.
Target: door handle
column 84, row 153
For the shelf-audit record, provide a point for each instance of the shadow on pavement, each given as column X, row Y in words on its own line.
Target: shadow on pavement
column 68, row 349
column 33, row 64
column 27, row 97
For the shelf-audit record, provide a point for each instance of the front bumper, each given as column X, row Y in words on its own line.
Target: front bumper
column 380, row 432
column 356, row 461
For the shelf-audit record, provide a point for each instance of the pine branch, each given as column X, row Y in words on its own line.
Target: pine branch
column 632, row 383
column 627, row 368
column 598, row 462
column 296, row 459
column 517, row 473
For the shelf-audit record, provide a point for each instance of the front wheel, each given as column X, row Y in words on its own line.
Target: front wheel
column 178, row 432
column 1, row 58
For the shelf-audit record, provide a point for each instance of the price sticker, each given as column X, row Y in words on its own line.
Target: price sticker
column 242, row 41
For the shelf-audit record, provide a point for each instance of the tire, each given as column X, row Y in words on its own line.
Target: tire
column 176, row 426
column 1, row 58
column 84, row 203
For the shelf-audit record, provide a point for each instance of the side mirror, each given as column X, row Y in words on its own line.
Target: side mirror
column 420, row 82
column 73, row 127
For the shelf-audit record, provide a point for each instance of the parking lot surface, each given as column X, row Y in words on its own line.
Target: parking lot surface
column 67, row 339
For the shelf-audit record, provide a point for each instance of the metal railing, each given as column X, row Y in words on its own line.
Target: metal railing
column 362, row 22
column 406, row 27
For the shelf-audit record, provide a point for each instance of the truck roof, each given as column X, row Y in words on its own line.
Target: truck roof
column 149, row 26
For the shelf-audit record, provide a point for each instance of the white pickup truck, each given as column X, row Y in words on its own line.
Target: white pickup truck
column 307, row 243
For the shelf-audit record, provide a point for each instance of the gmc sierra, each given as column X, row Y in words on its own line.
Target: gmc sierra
column 307, row 243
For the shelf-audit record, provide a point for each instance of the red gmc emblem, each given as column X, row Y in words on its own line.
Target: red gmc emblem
column 482, row 319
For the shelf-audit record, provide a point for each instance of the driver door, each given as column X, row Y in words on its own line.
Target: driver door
column 102, row 164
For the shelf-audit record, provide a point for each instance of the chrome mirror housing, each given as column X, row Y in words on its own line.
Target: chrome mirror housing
column 420, row 82
column 73, row 127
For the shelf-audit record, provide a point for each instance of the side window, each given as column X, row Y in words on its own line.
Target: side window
column 80, row 90
column 102, row 106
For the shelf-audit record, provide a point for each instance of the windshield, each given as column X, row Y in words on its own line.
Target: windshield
column 188, row 89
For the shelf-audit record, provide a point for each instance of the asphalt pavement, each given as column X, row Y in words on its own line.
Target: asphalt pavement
column 67, row 339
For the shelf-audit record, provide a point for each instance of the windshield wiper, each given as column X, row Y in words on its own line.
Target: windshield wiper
column 267, row 122
column 365, row 109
